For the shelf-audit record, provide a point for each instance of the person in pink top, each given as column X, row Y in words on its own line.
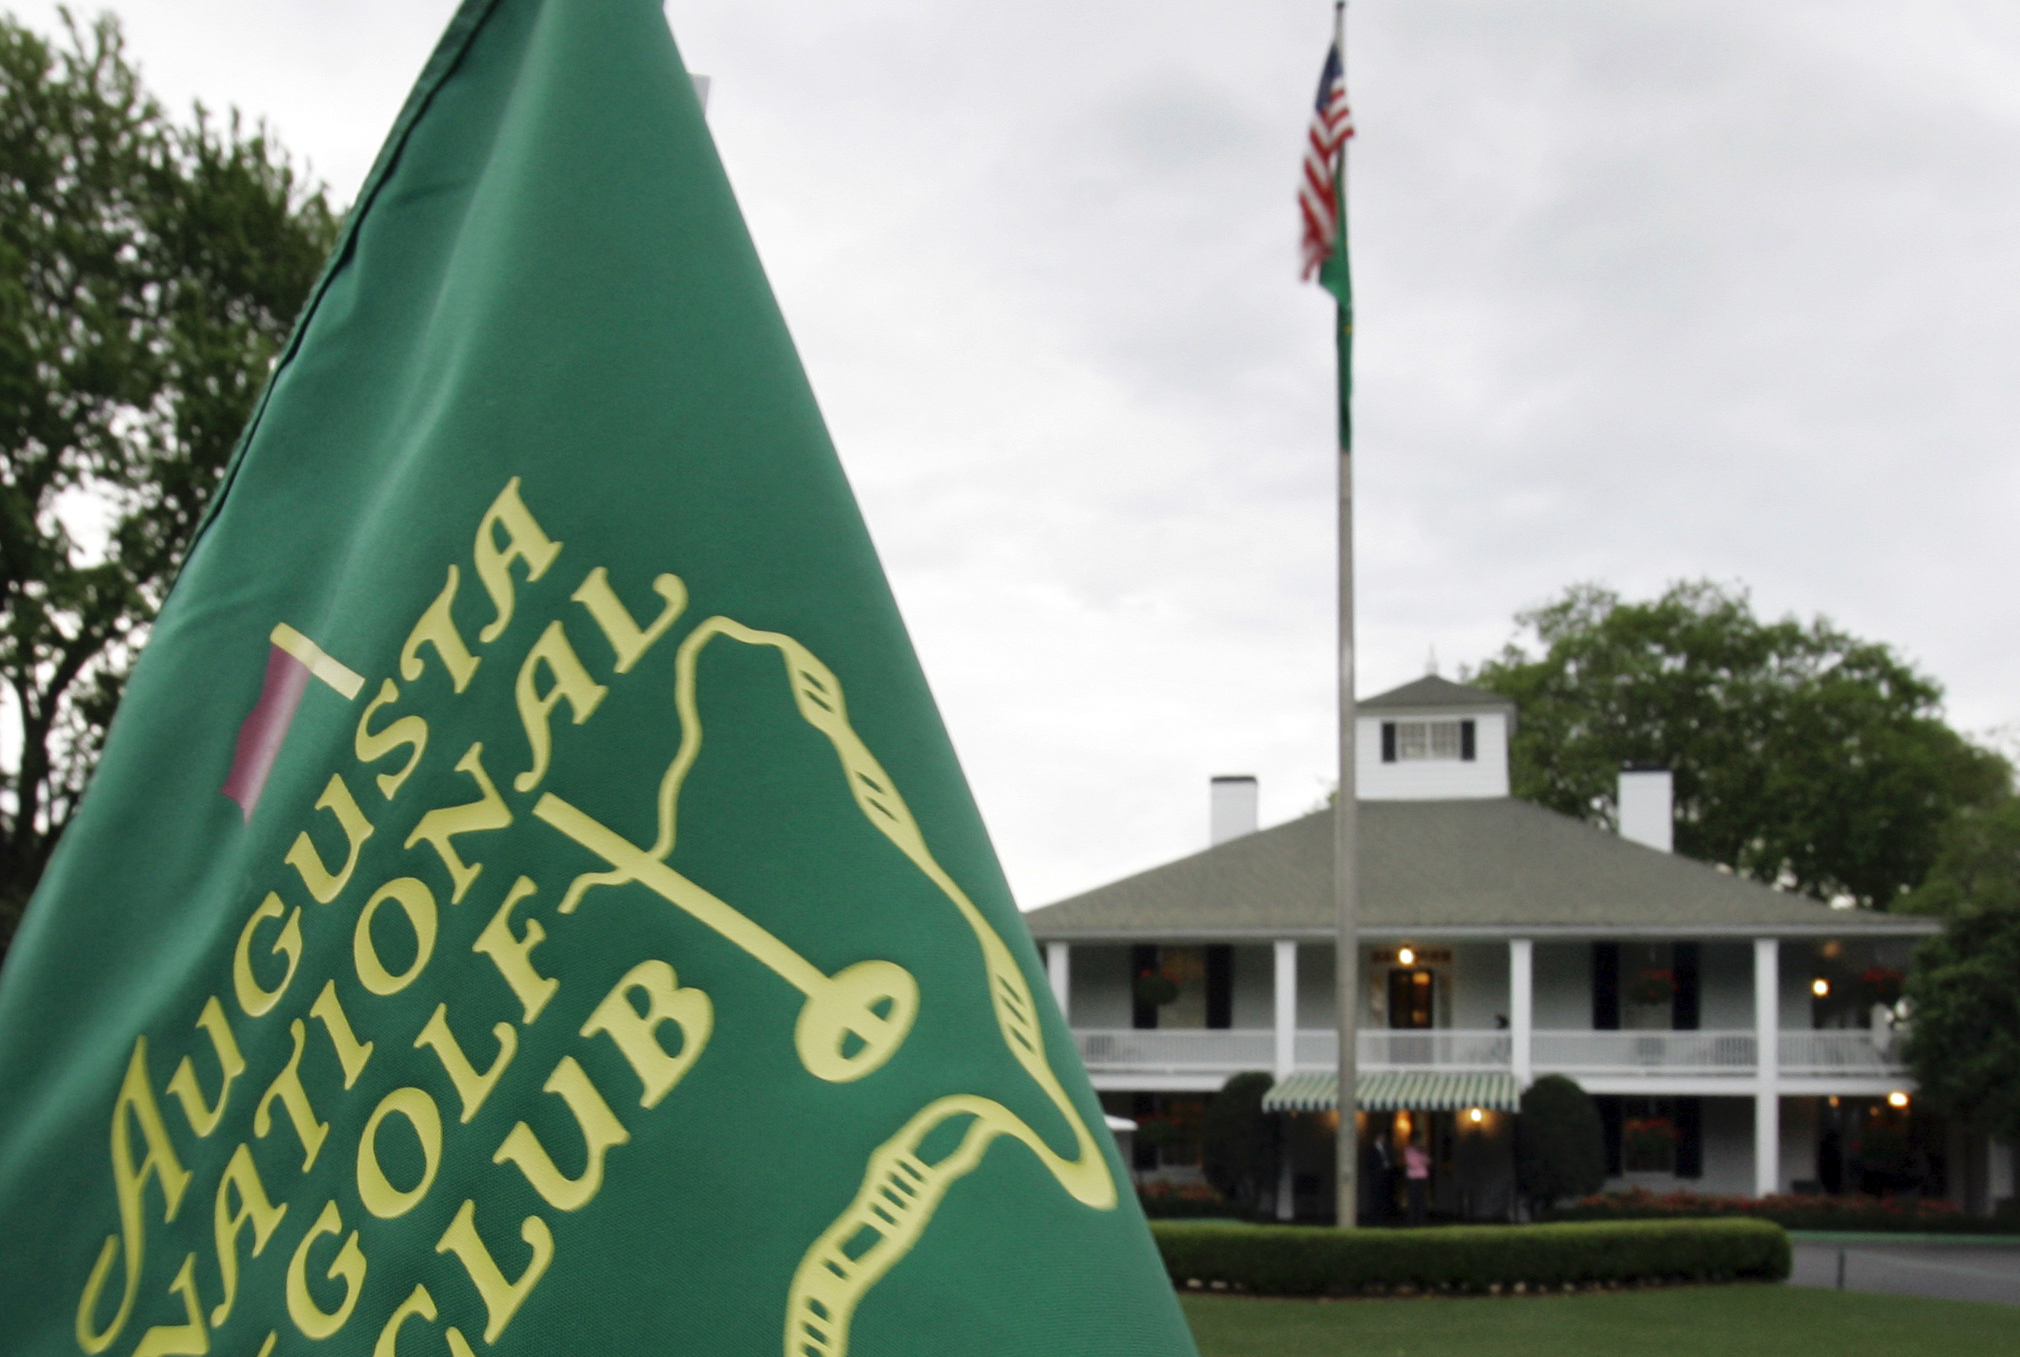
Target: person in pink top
column 1417, row 1170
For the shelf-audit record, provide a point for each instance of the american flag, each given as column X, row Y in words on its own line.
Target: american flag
column 1318, row 193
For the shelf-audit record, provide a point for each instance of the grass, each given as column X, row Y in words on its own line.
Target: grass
column 1694, row 1321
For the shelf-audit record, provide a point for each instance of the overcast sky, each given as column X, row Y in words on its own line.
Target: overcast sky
column 1646, row 291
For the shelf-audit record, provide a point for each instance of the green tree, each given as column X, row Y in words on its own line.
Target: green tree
column 1803, row 756
column 149, row 272
column 1237, row 1143
column 1964, row 990
column 1560, row 1145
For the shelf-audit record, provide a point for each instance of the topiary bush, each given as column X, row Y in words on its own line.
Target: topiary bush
column 1291, row 1260
column 1560, row 1146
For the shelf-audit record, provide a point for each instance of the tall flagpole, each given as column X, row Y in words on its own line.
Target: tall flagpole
column 1346, row 812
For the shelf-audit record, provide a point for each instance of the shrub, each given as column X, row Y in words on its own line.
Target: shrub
column 1791, row 1212
column 1560, row 1146
column 1290, row 1260
column 1237, row 1143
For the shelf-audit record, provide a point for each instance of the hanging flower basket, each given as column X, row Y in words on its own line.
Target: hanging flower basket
column 1653, row 987
column 1648, row 1136
column 1880, row 985
column 1155, row 989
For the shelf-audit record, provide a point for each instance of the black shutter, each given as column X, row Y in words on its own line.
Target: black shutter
column 1220, row 986
column 1689, row 1137
column 1683, row 1001
column 1141, row 958
column 1388, row 742
column 1609, row 1130
column 1606, row 987
column 1466, row 741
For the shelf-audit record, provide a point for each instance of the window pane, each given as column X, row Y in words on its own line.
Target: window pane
column 1444, row 739
column 1418, row 740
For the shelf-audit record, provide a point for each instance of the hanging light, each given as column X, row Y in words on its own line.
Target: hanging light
column 1897, row 1099
column 1475, row 1115
column 1406, row 956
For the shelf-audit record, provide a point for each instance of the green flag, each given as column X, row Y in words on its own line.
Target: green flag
column 1337, row 278
column 528, row 902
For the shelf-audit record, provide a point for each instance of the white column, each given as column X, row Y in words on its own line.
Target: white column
column 1521, row 1008
column 1059, row 970
column 1285, row 1015
column 1767, row 1107
column 1286, row 1008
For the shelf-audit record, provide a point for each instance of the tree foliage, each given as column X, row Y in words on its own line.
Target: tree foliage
column 1237, row 1144
column 1560, row 1145
column 1803, row 756
column 149, row 272
column 1964, row 990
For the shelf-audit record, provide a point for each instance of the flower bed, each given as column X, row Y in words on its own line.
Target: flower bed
column 1293, row 1260
column 1178, row 1201
column 1847, row 1213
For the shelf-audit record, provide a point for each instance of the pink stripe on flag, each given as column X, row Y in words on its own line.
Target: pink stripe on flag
column 266, row 726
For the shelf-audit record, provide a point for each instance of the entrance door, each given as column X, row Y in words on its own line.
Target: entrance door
column 1411, row 995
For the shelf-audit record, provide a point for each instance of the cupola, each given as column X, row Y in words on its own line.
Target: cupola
column 1433, row 740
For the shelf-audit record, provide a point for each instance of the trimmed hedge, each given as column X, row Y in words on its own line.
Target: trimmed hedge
column 1868, row 1215
column 1291, row 1260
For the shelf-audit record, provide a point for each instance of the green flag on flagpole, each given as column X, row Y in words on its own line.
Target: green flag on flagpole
column 528, row 902
column 1337, row 278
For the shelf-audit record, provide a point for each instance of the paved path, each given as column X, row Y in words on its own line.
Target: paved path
column 1961, row 1270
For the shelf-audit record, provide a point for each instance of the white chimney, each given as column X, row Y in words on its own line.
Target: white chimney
column 1232, row 808
column 1647, row 807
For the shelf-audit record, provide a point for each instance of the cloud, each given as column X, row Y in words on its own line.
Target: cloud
column 1644, row 292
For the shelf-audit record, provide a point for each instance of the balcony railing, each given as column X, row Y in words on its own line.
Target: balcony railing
column 1854, row 1051
column 1442, row 1048
column 1181, row 1051
column 1731, row 1054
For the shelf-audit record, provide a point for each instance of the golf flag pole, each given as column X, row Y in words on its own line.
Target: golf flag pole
column 1346, row 814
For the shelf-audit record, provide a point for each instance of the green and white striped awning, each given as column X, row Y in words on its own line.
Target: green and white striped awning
column 1395, row 1090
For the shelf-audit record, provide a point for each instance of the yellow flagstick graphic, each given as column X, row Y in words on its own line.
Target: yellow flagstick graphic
column 318, row 661
column 900, row 1190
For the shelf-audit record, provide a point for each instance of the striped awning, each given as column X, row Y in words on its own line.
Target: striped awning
column 1395, row 1090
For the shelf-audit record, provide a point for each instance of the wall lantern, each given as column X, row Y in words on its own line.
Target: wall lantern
column 1820, row 987
column 1897, row 1099
column 1406, row 956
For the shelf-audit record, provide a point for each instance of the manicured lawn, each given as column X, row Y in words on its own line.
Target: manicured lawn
column 1698, row 1321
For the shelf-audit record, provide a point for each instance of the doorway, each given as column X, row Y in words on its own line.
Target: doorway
column 1412, row 998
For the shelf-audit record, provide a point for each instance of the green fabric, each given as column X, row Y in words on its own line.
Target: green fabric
column 1337, row 278
column 542, row 401
column 1399, row 1090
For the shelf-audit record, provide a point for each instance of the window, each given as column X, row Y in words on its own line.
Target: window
column 1425, row 741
